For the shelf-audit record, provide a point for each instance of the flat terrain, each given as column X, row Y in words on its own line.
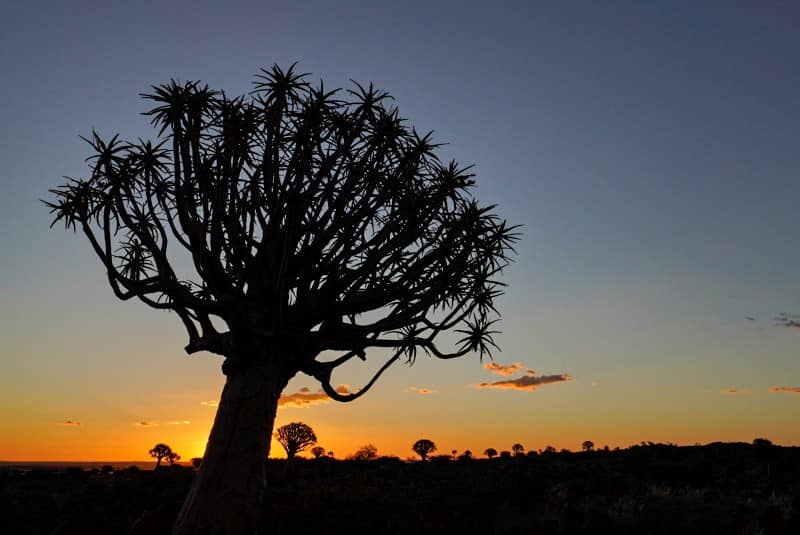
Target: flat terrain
column 652, row 488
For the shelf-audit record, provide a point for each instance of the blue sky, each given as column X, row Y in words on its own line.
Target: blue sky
column 650, row 152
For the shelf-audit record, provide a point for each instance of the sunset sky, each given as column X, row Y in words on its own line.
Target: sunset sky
column 651, row 152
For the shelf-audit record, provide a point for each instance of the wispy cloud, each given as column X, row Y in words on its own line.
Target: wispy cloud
column 179, row 422
column 785, row 390
column 209, row 403
column 499, row 369
column 144, row 423
column 419, row 390
column 305, row 397
column 69, row 423
column 788, row 320
column 345, row 389
column 737, row 391
column 526, row 382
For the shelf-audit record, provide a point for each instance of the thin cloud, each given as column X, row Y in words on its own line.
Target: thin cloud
column 788, row 320
column 144, row 423
column 69, row 423
column 499, row 369
column 784, row 390
column 737, row 391
column 526, row 382
column 419, row 390
column 305, row 397
column 179, row 422
column 209, row 403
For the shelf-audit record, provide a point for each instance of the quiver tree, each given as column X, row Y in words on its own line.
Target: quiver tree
column 295, row 437
column 291, row 230
column 366, row 452
column 162, row 452
column 423, row 447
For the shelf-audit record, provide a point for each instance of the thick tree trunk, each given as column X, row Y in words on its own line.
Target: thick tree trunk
column 226, row 496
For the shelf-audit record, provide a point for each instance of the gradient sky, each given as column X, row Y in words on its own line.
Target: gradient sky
column 649, row 149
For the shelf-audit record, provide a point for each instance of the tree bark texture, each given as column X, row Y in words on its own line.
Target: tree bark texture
column 227, row 493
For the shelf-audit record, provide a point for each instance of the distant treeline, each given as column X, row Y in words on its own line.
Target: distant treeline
column 652, row 488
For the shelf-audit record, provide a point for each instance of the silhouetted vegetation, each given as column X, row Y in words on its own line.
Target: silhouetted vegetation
column 295, row 437
column 367, row 452
column 490, row 452
column 317, row 451
column 650, row 488
column 315, row 221
column 423, row 447
column 162, row 452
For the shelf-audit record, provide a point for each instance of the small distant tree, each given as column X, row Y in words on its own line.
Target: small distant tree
column 548, row 450
column 162, row 452
column 366, row 453
column 505, row 454
column 518, row 449
column 490, row 452
column 317, row 451
column 295, row 437
column 330, row 454
column 423, row 447
column 588, row 445
column 466, row 456
column 762, row 443
column 454, row 453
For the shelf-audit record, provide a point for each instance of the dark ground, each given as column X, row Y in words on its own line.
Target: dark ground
column 655, row 488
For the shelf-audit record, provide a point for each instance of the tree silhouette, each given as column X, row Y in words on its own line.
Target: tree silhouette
column 518, row 449
column 317, row 451
column 366, row 453
column 762, row 443
column 295, row 437
column 162, row 451
column 588, row 445
column 278, row 227
column 490, row 452
column 423, row 447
